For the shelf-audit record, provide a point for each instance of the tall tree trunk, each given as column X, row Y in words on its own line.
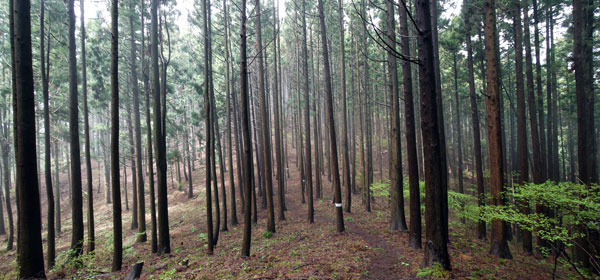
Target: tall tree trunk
column 30, row 258
column 436, row 250
column 481, row 227
column 114, row 140
column 345, row 160
column 398, row 220
column 411, row 146
column 134, row 214
column 307, row 151
column 540, row 110
column 266, row 132
column 138, row 175
column 522, row 150
column 45, row 70
column 208, row 128
column 228, row 90
column 494, row 134
column 535, row 142
column 245, row 117
column 153, row 230
column 276, row 107
column 86, row 127
column 76, row 191
column 330, row 122
column 583, row 30
column 164, row 245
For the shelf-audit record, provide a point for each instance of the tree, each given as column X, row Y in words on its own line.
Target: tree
column 209, row 165
column 307, row 151
column 153, row 233
column 499, row 246
column 140, row 203
column 76, row 189
column 164, row 246
column 44, row 69
column 30, row 257
column 481, row 230
column 398, row 220
column 114, row 138
column 277, row 108
column 521, row 115
column 411, row 145
column 436, row 250
column 86, row 127
column 228, row 90
column 337, row 197
column 583, row 30
column 266, row 132
column 247, row 147
column 345, row 160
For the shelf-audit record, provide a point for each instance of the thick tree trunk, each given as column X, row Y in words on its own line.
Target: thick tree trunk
column 481, row 227
column 114, row 140
column 494, row 132
column 331, row 123
column 30, row 258
column 398, row 220
column 164, row 245
column 75, row 159
column 245, row 117
column 436, row 250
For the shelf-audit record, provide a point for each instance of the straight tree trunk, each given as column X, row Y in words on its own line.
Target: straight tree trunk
column 164, row 245
column 153, row 231
column 138, row 175
column 45, row 65
column 307, row 151
column 208, row 127
column 114, row 140
column 522, row 150
column 134, row 206
column 481, row 227
column 88, row 162
column 245, row 117
column 398, row 220
column 276, row 107
column 436, row 250
column 345, row 159
column 266, row 132
column 411, row 146
column 76, row 191
column 538, row 70
column 583, row 30
column 331, row 123
column 228, row 90
column 30, row 257
column 499, row 246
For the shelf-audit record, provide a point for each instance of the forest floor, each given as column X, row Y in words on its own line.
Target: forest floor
column 298, row 250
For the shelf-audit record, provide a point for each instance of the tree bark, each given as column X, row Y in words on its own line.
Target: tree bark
column 499, row 246
column 76, row 189
column 330, row 122
column 30, row 257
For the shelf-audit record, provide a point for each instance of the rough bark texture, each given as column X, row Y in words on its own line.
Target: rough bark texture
column 499, row 246
column 331, row 124
column 164, row 245
column 398, row 220
column 436, row 250
column 30, row 257
column 76, row 191
column 114, row 140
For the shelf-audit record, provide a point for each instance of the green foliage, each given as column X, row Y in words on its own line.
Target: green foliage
column 436, row 271
column 574, row 209
column 168, row 274
column 267, row 234
column 380, row 189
